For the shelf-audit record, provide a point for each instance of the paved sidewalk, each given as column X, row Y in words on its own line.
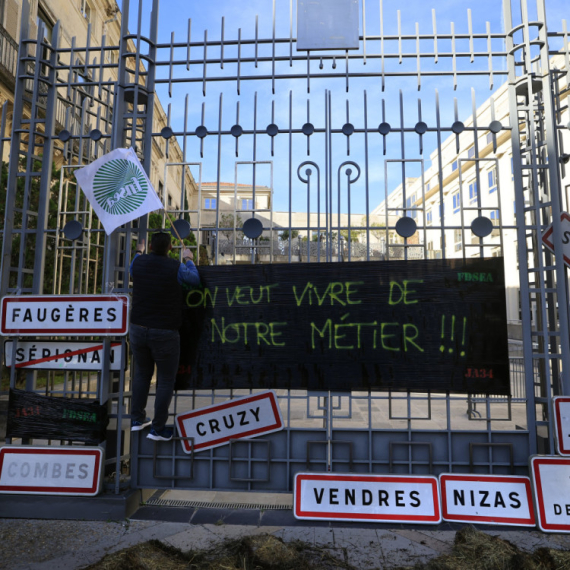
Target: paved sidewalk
column 68, row 545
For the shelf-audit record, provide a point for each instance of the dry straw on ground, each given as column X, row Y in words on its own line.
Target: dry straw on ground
column 473, row 550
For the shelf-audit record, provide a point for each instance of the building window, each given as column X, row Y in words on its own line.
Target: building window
column 42, row 17
column 428, row 186
column 169, row 201
column 457, row 234
column 456, row 202
column 454, row 166
column 473, row 192
column 495, row 217
column 210, row 204
column 85, row 10
column 160, row 190
column 471, row 152
column 492, row 174
column 489, row 138
column 429, row 218
column 247, row 204
column 409, row 204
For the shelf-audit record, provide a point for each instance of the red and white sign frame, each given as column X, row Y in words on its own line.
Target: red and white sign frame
column 191, row 424
column 71, row 310
column 562, row 424
column 547, row 485
column 491, row 484
column 547, row 237
column 67, row 357
column 13, row 458
column 425, row 487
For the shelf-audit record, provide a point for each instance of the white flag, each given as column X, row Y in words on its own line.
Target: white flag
column 118, row 188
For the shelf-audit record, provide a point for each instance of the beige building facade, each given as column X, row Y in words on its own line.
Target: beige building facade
column 476, row 180
column 101, row 21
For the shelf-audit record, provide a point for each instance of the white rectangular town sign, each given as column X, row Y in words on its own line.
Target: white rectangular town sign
column 372, row 498
column 562, row 423
column 56, row 355
column 51, row 470
column 550, row 479
column 490, row 499
column 241, row 418
column 49, row 315
column 548, row 237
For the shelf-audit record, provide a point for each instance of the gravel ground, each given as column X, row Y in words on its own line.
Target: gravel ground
column 28, row 544
column 25, row 543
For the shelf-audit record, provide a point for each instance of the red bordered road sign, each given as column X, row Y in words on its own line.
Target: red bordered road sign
column 548, row 236
column 373, row 498
column 241, row 418
column 50, row 470
column 550, row 479
column 48, row 315
column 58, row 355
column 490, row 499
column 562, row 423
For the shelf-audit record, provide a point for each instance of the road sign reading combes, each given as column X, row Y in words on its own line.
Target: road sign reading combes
column 47, row 315
column 373, row 498
column 31, row 470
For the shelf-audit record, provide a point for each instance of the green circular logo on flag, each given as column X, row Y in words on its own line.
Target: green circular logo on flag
column 120, row 187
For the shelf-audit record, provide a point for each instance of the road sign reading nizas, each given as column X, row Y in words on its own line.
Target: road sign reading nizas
column 48, row 315
column 490, row 499
column 373, row 498
column 241, row 418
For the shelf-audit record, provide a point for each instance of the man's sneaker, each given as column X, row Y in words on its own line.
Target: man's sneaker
column 137, row 426
column 164, row 434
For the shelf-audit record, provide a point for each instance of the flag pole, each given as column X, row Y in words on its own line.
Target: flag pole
column 173, row 226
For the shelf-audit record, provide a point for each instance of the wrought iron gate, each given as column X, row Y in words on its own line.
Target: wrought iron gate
column 330, row 150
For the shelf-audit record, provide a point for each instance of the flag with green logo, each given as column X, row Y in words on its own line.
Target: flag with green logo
column 118, row 188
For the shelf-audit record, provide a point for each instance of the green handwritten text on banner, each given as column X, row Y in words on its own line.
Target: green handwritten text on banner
column 429, row 325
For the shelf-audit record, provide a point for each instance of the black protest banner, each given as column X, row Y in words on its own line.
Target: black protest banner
column 47, row 417
column 428, row 325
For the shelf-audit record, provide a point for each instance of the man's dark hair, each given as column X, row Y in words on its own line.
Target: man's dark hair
column 160, row 242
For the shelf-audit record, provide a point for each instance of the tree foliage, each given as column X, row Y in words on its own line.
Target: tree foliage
column 226, row 225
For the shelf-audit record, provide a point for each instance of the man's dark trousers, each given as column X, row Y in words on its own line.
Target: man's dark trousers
column 150, row 346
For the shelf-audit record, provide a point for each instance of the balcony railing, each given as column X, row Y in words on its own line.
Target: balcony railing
column 8, row 55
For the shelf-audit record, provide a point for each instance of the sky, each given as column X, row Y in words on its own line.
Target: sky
column 186, row 102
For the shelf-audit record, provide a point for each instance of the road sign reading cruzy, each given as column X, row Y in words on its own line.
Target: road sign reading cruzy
column 48, row 315
column 374, row 498
column 427, row 325
column 562, row 423
column 548, row 237
column 550, row 477
column 51, row 470
column 216, row 425
column 55, row 355
column 490, row 499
